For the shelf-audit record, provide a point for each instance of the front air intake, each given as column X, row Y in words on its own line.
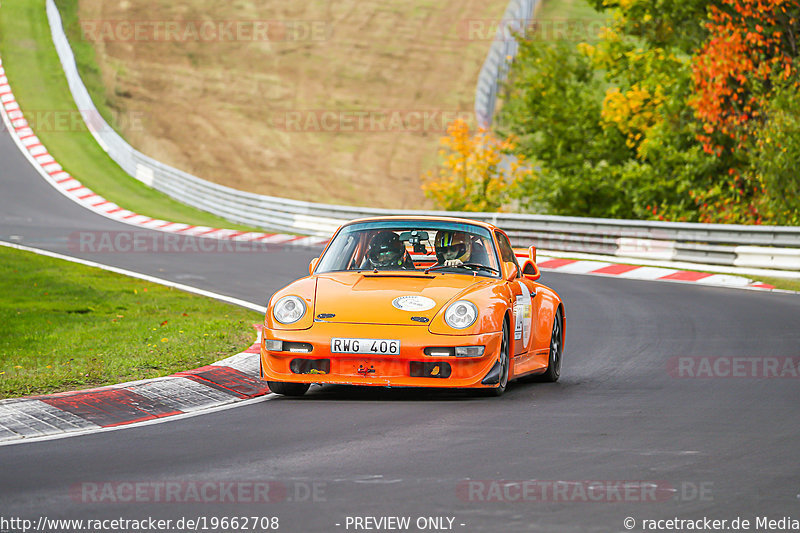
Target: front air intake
column 420, row 369
column 310, row 366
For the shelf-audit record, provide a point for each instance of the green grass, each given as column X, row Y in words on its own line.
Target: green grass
column 85, row 59
column 583, row 20
column 35, row 75
column 782, row 283
column 569, row 9
column 67, row 326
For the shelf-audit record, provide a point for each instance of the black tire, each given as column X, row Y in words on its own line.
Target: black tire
column 556, row 351
column 288, row 389
column 505, row 361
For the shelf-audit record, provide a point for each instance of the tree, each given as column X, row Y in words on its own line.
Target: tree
column 751, row 46
column 751, row 42
column 682, row 110
column 553, row 104
column 660, row 23
column 474, row 175
column 776, row 151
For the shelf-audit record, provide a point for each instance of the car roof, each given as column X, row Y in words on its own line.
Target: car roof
column 424, row 218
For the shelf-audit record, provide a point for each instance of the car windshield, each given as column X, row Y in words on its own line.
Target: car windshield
column 412, row 245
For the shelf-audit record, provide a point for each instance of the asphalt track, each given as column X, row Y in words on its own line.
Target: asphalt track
column 715, row 447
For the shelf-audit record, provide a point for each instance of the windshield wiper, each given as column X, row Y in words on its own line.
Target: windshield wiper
column 479, row 266
column 468, row 266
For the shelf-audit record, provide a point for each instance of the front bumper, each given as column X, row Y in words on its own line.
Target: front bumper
column 380, row 370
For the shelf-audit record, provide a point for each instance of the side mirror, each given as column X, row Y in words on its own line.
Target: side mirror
column 530, row 270
column 510, row 271
column 312, row 265
column 532, row 255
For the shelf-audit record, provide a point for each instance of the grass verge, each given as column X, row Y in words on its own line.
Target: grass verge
column 35, row 75
column 68, row 326
column 782, row 283
column 85, row 60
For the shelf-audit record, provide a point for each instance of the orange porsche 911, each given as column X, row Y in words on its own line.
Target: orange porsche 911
column 414, row 302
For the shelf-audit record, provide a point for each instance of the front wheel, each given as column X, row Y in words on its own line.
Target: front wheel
column 288, row 389
column 504, row 366
column 556, row 351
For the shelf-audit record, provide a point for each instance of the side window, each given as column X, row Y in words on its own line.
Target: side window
column 506, row 252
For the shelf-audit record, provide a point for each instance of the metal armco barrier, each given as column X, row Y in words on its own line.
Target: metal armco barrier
column 516, row 19
column 736, row 245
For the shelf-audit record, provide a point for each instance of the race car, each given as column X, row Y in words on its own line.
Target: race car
column 414, row 302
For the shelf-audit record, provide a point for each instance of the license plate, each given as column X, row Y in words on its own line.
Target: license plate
column 373, row 346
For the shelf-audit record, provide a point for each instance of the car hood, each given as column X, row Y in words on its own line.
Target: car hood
column 373, row 298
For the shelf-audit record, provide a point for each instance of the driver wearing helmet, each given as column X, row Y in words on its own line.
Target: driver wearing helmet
column 453, row 248
column 385, row 251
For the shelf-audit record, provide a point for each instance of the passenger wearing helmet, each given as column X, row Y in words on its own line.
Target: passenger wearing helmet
column 455, row 248
column 385, row 251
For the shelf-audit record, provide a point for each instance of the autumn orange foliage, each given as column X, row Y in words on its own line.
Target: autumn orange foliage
column 751, row 47
column 751, row 42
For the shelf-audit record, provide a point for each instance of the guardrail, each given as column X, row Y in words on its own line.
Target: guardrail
column 503, row 50
column 734, row 245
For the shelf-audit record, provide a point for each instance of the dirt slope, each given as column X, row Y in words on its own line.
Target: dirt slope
column 265, row 112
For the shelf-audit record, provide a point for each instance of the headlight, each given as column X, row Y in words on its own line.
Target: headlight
column 461, row 314
column 289, row 309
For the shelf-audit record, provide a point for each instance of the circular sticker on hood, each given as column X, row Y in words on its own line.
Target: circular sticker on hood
column 413, row 303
